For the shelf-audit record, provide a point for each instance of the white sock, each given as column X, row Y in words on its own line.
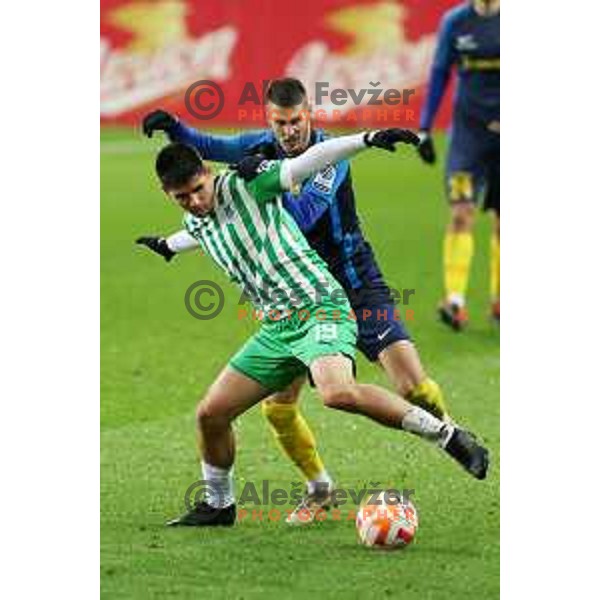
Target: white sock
column 219, row 487
column 424, row 424
column 321, row 482
column 456, row 299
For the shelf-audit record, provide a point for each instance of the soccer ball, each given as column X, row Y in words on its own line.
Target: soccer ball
column 387, row 525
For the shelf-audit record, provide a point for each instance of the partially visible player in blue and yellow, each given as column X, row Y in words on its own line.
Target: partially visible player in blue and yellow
column 469, row 40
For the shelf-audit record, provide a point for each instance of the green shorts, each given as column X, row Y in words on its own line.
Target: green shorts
column 282, row 350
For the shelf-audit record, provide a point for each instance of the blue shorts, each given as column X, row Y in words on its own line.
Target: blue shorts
column 377, row 329
column 473, row 165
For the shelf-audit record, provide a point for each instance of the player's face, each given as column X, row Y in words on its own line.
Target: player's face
column 486, row 8
column 197, row 196
column 291, row 126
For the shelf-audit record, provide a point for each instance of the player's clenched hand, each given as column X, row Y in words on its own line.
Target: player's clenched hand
column 425, row 148
column 251, row 166
column 158, row 245
column 267, row 150
column 158, row 120
column 388, row 138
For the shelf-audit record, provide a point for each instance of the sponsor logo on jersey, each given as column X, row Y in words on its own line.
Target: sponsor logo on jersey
column 465, row 42
column 324, row 179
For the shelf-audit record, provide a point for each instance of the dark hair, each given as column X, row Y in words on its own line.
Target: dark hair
column 176, row 164
column 286, row 92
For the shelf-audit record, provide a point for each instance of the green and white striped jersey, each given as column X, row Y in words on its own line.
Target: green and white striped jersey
column 258, row 244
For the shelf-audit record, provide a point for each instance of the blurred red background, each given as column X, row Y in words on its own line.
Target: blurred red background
column 153, row 50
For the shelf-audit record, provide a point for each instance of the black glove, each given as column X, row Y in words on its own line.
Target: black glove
column 158, row 120
column 425, row 148
column 387, row 138
column 251, row 166
column 267, row 150
column 158, row 245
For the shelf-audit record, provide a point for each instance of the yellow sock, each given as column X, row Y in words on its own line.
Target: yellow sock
column 495, row 267
column 295, row 437
column 428, row 395
column 458, row 252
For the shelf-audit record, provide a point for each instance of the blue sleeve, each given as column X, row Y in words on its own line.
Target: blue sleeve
column 317, row 195
column 440, row 72
column 220, row 148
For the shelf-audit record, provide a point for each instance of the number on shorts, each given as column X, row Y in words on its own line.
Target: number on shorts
column 461, row 186
column 326, row 332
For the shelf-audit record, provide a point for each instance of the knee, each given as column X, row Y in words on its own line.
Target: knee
column 209, row 418
column 339, row 396
column 462, row 217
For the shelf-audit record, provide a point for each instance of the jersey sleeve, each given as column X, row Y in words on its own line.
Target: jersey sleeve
column 317, row 195
column 267, row 184
column 220, row 148
column 192, row 225
column 181, row 241
column 440, row 72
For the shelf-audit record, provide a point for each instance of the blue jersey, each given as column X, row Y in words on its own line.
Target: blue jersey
column 325, row 210
column 471, row 43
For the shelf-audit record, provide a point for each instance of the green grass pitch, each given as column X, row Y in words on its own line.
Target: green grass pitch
column 157, row 360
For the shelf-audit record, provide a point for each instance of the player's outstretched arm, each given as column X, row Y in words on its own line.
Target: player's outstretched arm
column 266, row 179
column 295, row 170
column 220, row 148
column 176, row 243
column 444, row 58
